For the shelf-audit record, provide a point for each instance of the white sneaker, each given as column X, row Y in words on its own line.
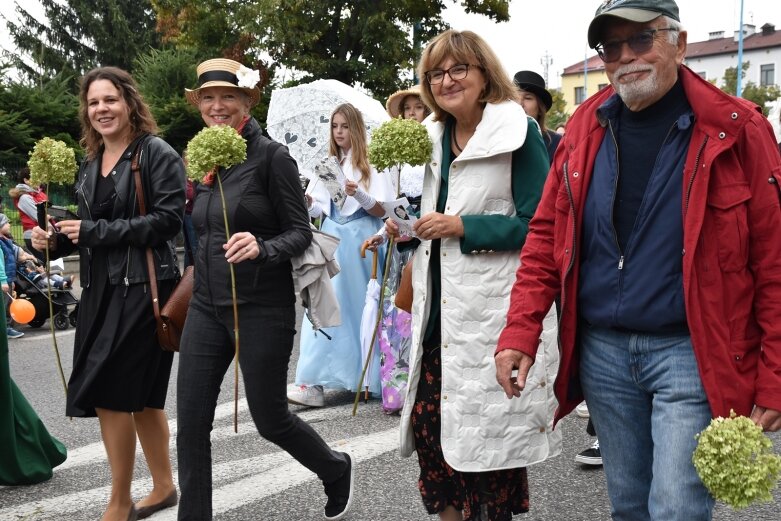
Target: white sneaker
column 582, row 410
column 309, row 395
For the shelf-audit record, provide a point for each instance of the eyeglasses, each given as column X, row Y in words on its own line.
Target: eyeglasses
column 456, row 72
column 640, row 43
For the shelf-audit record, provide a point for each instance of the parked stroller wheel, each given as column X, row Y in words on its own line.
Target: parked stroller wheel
column 36, row 322
column 61, row 321
column 74, row 315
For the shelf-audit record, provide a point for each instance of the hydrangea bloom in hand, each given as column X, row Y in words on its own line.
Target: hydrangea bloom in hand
column 735, row 461
column 217, row 146
column 52, row 161
column 398, row 142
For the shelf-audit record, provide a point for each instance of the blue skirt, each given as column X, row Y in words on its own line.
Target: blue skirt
column 337, row 363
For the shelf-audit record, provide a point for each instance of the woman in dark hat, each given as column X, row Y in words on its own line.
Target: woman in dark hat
column 537, row 101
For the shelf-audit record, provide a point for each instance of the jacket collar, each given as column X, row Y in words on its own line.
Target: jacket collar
column 715, row 110
column 501, row 130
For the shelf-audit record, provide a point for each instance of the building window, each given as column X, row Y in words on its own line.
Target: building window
column 580, row 95
column 601, row 86
column 703, row 75
column 767, row 75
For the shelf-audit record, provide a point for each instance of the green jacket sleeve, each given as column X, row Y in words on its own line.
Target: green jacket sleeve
column 499, row 232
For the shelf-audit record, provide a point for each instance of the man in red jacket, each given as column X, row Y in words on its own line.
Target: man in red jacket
column 659, row 229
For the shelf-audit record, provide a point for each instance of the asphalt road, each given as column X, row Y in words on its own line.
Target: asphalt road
column 254, row 480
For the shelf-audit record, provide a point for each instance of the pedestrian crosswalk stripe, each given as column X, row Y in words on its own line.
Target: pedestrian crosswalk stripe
column 244, row 481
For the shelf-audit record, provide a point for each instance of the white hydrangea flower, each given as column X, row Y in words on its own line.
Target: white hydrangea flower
column 248, row 78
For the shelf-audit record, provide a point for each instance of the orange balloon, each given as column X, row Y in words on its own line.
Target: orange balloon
column 22, row 311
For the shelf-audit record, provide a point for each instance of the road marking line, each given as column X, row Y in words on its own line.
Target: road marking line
column 255, row 478
column 93, row 452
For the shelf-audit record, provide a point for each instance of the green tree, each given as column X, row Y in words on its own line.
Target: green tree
column 759, row 94
column 210, row 27
column 359, row 41
column 78, row 35
column 162, row 76
column 365, row 41
column 557, row 115
column 30, row 111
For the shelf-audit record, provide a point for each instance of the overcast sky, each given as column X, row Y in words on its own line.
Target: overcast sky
column 558, row 27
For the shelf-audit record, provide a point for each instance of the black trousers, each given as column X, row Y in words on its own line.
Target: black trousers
column 207, row 350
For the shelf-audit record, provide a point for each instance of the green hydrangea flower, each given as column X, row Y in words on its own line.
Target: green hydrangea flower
column 398, row 142
column 52, row 161
column 217, row 146
column 735, row 461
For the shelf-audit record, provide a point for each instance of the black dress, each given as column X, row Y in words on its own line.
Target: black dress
column 117, row 362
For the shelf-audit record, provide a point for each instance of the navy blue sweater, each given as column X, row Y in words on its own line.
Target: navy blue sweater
column 631, row 258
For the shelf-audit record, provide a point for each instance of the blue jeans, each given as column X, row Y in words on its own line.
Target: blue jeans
column 205, row 355
column 647, row 402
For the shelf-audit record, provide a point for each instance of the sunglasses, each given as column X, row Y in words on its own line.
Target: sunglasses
column 640, row 43
column 456, row 72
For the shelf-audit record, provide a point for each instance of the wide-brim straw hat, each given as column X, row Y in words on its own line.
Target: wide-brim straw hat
column 222, row 72
column 393, row 105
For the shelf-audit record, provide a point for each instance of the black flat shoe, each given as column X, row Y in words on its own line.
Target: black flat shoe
column 144, row 512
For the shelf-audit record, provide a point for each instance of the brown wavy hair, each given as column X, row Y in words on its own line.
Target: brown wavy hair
column 141, row 119
column 464, row 47
column 358, row 147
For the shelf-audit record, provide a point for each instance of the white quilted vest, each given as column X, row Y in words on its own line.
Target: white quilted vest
column 481, row 429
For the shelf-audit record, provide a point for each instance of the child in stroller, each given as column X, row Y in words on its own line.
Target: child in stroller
column 36, row 274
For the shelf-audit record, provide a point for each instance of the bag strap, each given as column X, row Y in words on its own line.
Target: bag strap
column 150, row 262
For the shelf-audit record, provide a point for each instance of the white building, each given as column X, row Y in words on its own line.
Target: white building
column 761, row 49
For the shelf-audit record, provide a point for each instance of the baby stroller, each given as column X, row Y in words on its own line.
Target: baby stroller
column 62, row 298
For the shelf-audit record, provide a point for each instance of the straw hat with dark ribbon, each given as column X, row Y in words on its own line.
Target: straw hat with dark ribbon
column 221, row 72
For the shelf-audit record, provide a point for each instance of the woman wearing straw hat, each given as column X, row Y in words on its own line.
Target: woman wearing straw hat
column 536, row 102
column 395, row 332
column 120, row 373
column 269, row 225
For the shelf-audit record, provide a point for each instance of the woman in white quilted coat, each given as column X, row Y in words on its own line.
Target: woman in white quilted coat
column 480, row 190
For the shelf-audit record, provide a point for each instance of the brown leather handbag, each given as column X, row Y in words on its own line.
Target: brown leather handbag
column 170, row 319
column 403, row 299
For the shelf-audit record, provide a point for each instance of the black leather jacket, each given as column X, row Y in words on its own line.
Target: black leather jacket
column 128, row 233
column 264, row 197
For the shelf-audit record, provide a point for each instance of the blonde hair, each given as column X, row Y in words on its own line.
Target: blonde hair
column 141, row 119
column 358, row 145
column 465, row 47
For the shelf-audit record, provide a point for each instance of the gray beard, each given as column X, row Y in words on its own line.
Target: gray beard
column 635, row 91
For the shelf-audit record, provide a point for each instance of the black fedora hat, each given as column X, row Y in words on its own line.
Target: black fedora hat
column 533, row 82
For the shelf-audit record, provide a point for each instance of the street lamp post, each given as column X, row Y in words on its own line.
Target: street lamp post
column 739, row 88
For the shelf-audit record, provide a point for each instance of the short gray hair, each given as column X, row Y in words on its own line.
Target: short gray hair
column 672, row 36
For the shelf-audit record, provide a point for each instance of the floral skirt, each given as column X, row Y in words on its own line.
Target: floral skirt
column 395, row 338
column 485, row 496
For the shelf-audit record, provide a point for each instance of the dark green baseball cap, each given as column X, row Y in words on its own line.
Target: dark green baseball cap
column 633, row 10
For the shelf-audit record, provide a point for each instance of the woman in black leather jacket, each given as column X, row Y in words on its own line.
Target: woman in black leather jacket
column 269, row 225
column 120, row 374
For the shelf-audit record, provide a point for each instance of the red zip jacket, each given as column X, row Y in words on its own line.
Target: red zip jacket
column 731, row 257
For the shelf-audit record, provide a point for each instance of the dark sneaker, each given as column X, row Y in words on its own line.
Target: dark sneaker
column 340, row 493
column 590, row 456
column 13, row 333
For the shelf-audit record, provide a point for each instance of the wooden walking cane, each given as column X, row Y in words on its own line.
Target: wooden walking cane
column 388, row 255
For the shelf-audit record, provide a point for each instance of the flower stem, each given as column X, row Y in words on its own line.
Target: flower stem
column 51, row 320
column 235, row 314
